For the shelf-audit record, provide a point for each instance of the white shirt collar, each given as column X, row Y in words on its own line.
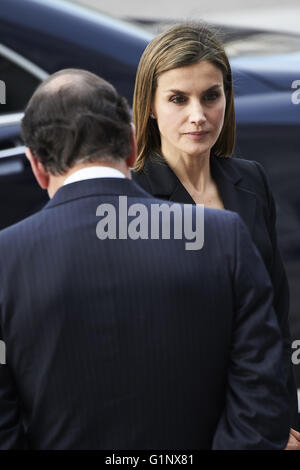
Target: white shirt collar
column 91, row 172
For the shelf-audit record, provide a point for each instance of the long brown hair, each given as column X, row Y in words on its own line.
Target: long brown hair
column 179, row 46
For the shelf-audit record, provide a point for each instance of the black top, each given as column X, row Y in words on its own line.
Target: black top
column 243, row 188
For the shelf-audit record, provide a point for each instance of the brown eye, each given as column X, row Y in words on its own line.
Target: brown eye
column 212, row 96
column 178, row 99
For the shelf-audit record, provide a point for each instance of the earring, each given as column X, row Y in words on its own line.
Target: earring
column 152, row 116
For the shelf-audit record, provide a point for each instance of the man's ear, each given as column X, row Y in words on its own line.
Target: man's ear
column 130, row 160
column 41, row 175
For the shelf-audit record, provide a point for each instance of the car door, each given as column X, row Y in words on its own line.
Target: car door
column 20, row 195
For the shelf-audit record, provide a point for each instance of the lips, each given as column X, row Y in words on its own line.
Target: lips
column 196, row 136
column 196, row 133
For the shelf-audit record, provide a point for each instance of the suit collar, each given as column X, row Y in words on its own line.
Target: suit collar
column 96, row 187
column 229, row 180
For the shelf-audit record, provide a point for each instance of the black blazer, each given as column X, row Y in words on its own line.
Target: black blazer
column 243, row 188
column 100, row 354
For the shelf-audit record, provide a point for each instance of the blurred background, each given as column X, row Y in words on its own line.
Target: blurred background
column 270, row 14
column 261, row 37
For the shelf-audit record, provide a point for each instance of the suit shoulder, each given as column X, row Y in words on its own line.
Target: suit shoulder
column 219, row 217
column 22, row 229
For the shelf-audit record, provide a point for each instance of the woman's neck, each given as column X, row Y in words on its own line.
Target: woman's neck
column 192, row 171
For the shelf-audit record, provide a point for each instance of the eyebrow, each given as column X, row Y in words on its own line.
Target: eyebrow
column 180, row 92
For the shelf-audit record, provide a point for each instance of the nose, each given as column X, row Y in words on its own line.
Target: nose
column 197, row 114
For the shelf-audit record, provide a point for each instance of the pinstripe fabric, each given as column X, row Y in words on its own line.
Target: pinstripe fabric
column 135, row 344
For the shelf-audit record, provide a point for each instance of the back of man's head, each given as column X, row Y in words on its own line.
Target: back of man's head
column 75, row 116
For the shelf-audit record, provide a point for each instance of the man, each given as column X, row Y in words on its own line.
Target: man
column 117, row 338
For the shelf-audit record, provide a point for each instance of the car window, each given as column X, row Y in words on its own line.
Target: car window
column 18, row 80
column 9, row 134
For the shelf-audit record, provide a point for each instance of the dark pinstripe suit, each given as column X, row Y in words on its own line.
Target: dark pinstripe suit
column 135, row 344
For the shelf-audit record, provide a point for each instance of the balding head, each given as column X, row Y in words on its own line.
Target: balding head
column 62, row 79
column 75, row 116
column 76, row 80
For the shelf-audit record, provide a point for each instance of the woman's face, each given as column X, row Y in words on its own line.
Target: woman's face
column 189, row 105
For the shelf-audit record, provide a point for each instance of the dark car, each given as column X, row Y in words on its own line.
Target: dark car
column 39, row 37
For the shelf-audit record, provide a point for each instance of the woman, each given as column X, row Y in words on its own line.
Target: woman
column 183, row 111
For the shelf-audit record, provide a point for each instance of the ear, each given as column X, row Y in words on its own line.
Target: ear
column 41, row 175
column 130, row 160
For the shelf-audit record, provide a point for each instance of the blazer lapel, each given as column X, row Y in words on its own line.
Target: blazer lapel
column 235, row 197
column 181, row 195
column 164, row 183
